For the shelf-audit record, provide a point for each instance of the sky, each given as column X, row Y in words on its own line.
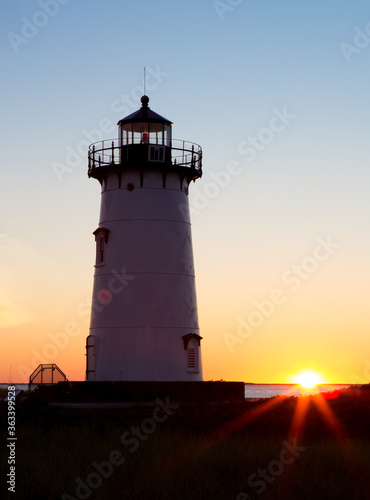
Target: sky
column 276, row 93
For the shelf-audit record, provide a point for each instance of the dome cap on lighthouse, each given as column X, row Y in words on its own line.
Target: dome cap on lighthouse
column 144, row 114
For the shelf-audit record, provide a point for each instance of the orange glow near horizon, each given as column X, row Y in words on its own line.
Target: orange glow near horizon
column 329, row 417
column 308, row 379
column 299, row 416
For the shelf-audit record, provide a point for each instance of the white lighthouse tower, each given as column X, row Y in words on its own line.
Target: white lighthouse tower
column 144, row 322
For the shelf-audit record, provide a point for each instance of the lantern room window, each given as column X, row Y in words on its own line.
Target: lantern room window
column 141, row 133
column 156, row 133
column 167, row 135
column 127, row 134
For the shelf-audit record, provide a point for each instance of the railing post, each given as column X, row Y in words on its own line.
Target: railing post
column 93, row 156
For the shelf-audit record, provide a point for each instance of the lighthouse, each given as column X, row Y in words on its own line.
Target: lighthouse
column 144, row 318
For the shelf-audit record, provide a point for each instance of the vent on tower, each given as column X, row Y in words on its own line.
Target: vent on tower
column 191, row 346
column 192, row 353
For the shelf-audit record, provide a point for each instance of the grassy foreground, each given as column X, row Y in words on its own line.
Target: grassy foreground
column 239, row 451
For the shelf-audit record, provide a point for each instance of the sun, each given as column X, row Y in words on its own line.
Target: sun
column 308, row 379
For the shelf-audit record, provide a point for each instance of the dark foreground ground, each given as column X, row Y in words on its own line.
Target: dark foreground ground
column 282, row 448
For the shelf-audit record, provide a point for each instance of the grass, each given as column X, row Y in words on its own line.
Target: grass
column 176, row 465
column 190, row 455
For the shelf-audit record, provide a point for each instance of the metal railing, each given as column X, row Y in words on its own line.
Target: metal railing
column 108, row 152
column 48, row 374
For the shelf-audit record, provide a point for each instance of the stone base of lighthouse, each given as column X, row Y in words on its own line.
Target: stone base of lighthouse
column 98, row 394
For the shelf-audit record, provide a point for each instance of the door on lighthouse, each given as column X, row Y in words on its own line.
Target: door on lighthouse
column 90, row 357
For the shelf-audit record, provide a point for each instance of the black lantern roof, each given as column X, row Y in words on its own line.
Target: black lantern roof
column 144, row 114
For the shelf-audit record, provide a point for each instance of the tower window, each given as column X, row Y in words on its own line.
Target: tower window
column 101, row 243
column 101, row 238
column 156, row 153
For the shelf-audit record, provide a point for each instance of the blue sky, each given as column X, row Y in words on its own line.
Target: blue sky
column 220, row 76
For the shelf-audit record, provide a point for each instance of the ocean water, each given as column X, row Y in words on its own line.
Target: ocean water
column 257, row 391
column 18, row 387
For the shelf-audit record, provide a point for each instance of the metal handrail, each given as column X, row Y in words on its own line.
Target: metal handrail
column 40, row 370
column 107, row 152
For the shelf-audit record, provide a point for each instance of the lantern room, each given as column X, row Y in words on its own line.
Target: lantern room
column 145, row 136
column 145, row 142
column 145, row 127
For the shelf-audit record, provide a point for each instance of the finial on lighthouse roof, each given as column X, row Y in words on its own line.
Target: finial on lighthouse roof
column 144, row 101
column 144, row 114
